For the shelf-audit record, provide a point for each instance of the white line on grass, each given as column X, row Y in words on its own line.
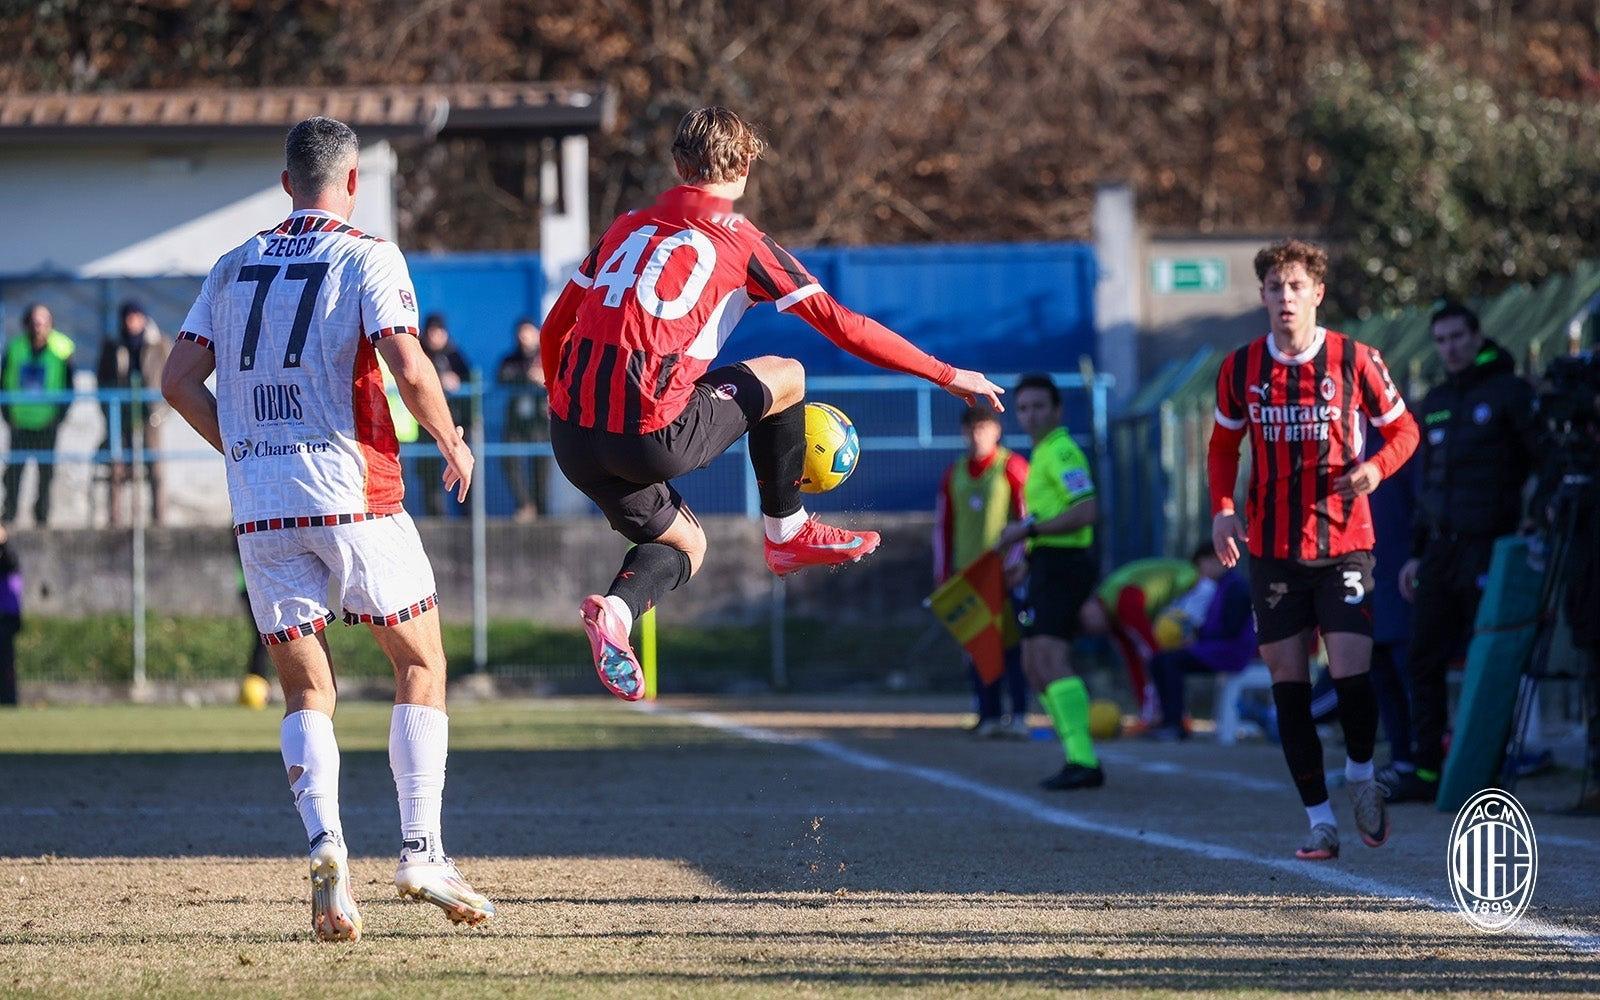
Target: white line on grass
column 1239, row 779
column 1576, row 941
column 465, row 812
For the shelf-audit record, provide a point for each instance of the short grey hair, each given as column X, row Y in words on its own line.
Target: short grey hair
column 317, row 153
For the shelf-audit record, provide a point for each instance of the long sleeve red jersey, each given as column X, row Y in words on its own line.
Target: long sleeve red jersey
column 647, row 311
column 1305, row 416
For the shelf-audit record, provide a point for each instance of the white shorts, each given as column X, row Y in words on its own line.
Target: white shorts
column 382, row 576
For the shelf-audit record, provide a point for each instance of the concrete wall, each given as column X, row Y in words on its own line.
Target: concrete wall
column 1176, row 323
column 135, row 209
column 537, row 571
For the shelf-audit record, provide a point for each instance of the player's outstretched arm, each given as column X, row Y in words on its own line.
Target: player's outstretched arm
column 876, row 344
column 183, row 385
column 418, row 383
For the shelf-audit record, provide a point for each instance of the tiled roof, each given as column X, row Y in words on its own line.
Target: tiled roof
column 425, row 110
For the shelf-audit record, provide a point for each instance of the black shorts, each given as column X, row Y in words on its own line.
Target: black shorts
column 1292, row 595
column 626, row 474
column 1059, row 581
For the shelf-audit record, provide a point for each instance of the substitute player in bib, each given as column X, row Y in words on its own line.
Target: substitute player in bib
column 626, row 349
column 293, row 322
column 1302, row 394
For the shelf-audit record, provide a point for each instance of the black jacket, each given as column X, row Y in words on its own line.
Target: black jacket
column 1478, row 445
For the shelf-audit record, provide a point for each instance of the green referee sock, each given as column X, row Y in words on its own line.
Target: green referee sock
column 1068, row 701
column 1055, row 719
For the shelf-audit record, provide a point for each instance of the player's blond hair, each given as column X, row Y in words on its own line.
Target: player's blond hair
column 1287, row 253
column 714, row 145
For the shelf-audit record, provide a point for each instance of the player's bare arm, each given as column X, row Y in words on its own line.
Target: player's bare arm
column 183, row 385
column 418, row 383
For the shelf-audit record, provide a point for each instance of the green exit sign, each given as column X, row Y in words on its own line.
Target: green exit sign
column 1188, row 275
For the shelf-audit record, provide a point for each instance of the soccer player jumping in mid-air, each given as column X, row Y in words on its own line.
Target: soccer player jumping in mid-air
column 293, row 321
column 1302, row 393
column 626, row 349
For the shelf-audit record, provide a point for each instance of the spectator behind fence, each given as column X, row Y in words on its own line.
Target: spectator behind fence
column 980, row 494
column 39, row 359
column 10, row 617
column 137, row 349
column 1207, row 630
column 454, row 375
column 527, row 418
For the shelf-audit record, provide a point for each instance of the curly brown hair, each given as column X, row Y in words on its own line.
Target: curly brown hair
column 713, row 145
column 1285, row 253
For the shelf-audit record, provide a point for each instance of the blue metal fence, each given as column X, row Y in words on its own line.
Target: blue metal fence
column 1010, row 307
column 910, row 433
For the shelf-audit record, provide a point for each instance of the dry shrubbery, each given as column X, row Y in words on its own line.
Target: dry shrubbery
column 891, row 120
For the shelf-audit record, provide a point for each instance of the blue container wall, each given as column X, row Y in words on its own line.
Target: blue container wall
column 997, row 307
column 994, row 307
column 482, row 295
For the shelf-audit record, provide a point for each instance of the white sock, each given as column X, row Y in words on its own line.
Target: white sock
column 1357, row 772
column 311, row 756
column 622, row 611
column 1322, row 814
column 781, row 529
column 419, row 741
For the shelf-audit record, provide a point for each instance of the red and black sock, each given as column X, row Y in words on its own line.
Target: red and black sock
column 649, row 571
column 1302, row 748
column 777, row 453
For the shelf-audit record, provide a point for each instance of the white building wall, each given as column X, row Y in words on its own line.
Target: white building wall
column 134, row 209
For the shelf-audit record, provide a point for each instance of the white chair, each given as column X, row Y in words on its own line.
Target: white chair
column 1255, row 677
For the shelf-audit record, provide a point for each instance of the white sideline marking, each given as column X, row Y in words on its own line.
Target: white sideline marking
column 473, row 812
column 1233, row 778
column 1576, row 941
column 1255, row 784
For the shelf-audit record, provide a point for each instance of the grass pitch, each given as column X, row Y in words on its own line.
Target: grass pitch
column 828, row 848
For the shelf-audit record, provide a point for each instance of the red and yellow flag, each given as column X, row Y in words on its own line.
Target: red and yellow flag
column 973, row 606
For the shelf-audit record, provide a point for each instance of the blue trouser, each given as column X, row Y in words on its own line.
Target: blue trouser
column 1167, row 671
column 986, row 697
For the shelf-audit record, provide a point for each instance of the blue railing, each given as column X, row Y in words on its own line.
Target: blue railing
column 910, row 433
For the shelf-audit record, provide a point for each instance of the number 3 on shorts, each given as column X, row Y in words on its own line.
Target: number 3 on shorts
column 1357, row 589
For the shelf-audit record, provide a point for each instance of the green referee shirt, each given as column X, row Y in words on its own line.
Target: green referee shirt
column 1058, row 480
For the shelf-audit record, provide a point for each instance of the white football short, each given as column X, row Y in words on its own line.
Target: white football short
column 377, row 568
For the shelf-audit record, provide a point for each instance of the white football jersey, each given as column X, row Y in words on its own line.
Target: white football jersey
column 293, row 316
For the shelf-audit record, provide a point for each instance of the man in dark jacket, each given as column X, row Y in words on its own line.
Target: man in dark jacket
column 454, row 375
column 1477, row 451
column 137, row 349
column 527, row 418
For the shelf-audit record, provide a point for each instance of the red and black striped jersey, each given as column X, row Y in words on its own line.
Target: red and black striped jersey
column 666, row 286
column 651, row 306
column 1305, row 415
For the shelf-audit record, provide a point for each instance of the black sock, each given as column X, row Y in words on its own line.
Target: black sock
column 1301, row 746
column 649, row 571
column 778, row 453
column 1358, row 714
